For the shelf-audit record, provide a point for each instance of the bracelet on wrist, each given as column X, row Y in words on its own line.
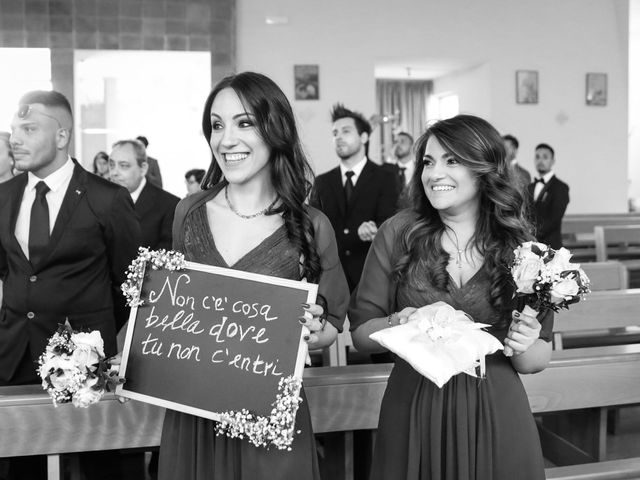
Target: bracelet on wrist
column 391, row 318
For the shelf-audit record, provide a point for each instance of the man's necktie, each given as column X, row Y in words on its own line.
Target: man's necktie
column 39, row 224
column 401, row 174
column 539, row 180
column 348, row 186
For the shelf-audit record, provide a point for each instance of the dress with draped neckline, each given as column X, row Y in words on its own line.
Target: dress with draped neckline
column 471, row 428
column 190, row 449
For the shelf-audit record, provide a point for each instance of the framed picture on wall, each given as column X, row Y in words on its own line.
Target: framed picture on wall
column 596, row 93
column 526, row 86
column 307, row 82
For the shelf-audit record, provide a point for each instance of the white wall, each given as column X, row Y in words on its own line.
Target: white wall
column 562, row 39
column 473, row 87
column 634, row 102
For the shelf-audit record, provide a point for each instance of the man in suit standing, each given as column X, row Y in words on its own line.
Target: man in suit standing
column 358, row 195
column 402, row 165
column 523, row 176
column 66, row 239
column 155, row 207
column 549, row 196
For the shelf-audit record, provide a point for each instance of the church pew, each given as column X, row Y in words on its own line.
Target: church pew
column 599, row 319
column 608, row 275
column 623, row 469
column 578, row 234
column 340, row 399
column 580, row 226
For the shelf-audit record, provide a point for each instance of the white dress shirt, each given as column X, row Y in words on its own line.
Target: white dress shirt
column 539, row 185
column 356, row 169
column 58, row 182
column 136, row 193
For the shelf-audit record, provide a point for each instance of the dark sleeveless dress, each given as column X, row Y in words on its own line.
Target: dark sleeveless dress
column 189, row 447
column 470, row 429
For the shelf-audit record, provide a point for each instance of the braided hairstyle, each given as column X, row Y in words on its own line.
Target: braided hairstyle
column 502, row 223
column 291, row 174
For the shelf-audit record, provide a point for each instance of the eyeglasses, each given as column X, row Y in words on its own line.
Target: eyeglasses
column 25, row 109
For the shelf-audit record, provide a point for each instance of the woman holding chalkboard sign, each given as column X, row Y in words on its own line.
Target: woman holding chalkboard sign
column 251, row 216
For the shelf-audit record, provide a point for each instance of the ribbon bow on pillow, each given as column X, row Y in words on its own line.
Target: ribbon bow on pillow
column 440, row 342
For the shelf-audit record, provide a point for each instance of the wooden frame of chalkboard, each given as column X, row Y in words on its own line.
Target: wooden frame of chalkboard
column 209, row 340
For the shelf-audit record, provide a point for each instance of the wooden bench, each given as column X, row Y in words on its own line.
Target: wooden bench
column 628, row 468
column 578, row 232
column 602, row 318
column 607, row 275
column 575, row 379
column 620, row 242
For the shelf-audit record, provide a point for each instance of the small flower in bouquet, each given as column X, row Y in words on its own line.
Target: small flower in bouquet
column 157, row 259
column 545, row 279
column 73, row 368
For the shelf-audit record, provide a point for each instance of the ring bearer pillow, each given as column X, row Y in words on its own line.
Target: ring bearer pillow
column 440, row 342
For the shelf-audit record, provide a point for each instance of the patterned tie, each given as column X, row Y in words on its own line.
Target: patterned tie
column 39, row 224
column 401, row 173
column 348, row 186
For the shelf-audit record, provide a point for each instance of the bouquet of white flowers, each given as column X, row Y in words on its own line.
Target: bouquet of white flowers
column 545, row 279
column 439, row 342
column 73, row 368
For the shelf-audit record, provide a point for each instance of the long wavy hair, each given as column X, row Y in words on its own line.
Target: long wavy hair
column 502, row 223
column 291, row 174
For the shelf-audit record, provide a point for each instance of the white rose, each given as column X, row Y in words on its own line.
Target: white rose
column 565, row 289
column 87, row 395
column 93, row 340
column 85, row 357
column 526, row 273
column 560, row 262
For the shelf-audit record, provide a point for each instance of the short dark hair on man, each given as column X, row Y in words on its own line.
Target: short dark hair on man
column 340, row 111
column 512, row 139
column 198, row 173
column 138, row 148
column 548, row 147
column 49, row 98
column 405, row 134
column 144, row 140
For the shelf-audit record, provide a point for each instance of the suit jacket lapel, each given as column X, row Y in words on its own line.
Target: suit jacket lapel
column 545, row 190
column 75, row 191
column 145, row 200
column 14, row 210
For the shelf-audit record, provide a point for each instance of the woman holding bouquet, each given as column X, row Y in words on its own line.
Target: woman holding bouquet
column 455, row 244
column 251, row 216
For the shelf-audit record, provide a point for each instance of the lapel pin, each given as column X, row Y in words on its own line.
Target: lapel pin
column 78, row 192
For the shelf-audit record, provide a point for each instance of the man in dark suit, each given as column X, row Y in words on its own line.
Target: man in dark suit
column 549, row 196
column 402, row 164
column 357, row 196
column 523, row 176
column 66, row 239
column 154, row 206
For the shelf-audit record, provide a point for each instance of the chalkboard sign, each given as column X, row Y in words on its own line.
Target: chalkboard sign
column 209, row 340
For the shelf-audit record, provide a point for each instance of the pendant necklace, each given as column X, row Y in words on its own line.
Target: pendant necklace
column 253, row 215
column 458, row 250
